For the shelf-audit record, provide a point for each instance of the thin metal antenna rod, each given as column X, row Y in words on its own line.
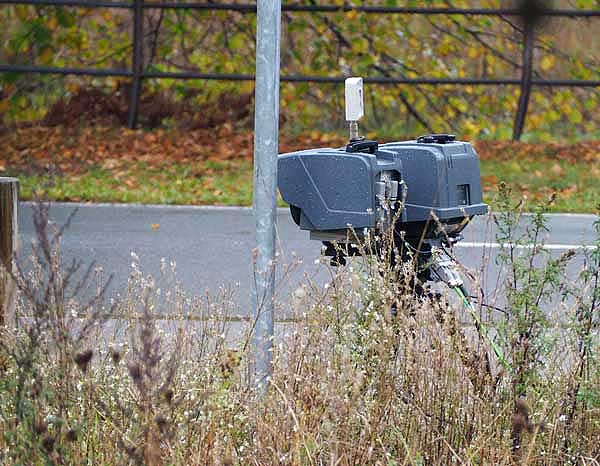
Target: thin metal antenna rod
column 266, row 128
column 353, row 125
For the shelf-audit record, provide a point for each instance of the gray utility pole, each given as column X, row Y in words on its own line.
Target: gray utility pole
column 266, row 129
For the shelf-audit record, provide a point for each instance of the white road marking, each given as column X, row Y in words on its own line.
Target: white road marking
column 149, row 206
column 234, row 208
column 550, row 247
column 285, row 210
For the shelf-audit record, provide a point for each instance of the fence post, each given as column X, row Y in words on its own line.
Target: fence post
column 9, row 202
column 528, row 42
column 137, row 62
column 266, row 147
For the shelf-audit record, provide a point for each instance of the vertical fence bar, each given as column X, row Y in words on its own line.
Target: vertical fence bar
column 528, row 42
column 137, row 61
column 9, row 202
column 266, row 129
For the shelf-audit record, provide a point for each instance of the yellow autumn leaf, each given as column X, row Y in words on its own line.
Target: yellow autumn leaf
column 229, row 67
column 72, row 87
column 547, row 62
column 3, row 106
column 360, row 46
column 22, row 12
column 566, row 108
column 535, row 120
column 470, row 128
column 47, row 55
column 387, row 100
column 52, row 23
column 553, row 115
column 575, row 117
column 351, row 15
column 462, row 106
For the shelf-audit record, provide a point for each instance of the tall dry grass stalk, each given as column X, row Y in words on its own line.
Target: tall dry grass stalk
column 369, row 373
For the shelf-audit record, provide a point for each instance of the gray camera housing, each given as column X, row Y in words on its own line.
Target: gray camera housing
column 333, row 190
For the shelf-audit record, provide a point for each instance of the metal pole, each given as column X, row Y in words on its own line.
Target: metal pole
column 266, row 128
column 137, row 62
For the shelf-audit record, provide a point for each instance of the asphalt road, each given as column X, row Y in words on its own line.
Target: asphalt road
column 212, row 246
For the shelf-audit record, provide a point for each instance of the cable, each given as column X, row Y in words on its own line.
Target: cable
column 484, row 304
column 481, row 327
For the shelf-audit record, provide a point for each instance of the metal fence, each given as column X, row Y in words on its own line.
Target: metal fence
column 138, row 74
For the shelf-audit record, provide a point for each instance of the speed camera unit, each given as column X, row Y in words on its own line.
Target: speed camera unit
column 430, row 187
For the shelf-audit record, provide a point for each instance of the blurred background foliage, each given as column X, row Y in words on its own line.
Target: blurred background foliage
column 323, row 44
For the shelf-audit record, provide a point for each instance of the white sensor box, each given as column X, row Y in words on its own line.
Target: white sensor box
column 354, row 99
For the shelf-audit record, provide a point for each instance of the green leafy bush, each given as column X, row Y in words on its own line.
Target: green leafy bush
column 322, row 44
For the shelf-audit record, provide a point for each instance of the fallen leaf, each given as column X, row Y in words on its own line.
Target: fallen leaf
column 489, row 180
column 557, row 170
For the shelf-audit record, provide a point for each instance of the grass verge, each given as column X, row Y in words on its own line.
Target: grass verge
column 230, row 183
column 534, row 179
column 107, row 164
column 221, row 183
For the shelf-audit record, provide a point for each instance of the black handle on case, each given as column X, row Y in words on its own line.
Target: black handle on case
column 362, row 146
column 436, row 138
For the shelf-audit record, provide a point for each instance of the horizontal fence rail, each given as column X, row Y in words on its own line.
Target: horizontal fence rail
column 383, row 80
column 137, row 73
column 248, row 7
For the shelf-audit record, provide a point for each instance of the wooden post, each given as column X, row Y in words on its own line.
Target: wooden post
column 9, row 202
column 526, row 75
column 137, row 62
